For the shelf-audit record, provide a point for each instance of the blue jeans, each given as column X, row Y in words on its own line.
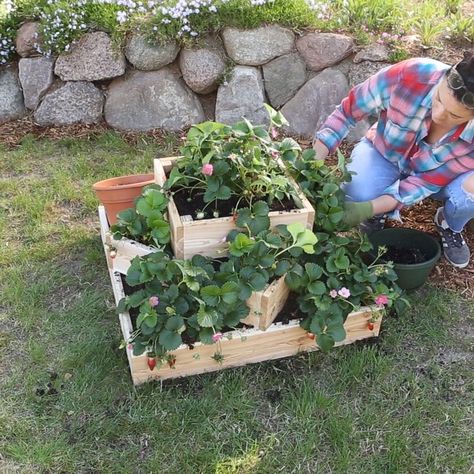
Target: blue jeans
column 374, row 174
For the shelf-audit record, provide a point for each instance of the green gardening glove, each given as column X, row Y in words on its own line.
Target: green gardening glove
column 357, row 212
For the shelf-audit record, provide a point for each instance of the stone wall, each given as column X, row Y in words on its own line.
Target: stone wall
column 222, row 78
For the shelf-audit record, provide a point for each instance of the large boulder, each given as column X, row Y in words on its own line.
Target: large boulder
column 258, row 46
column 315, row 101
column 11, row 97
column 154, row 99
column 203, row 67
column 242, row 96
column 322, row 50
column 283, row 77
column 360, row 72
column 93, row 58
column 36, row 77
column 146, row 56
column 71, row 103
column 27, row 39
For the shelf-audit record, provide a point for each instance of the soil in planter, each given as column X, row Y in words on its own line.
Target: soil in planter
column 406, row 256
column 190, row 204
column 290, row 311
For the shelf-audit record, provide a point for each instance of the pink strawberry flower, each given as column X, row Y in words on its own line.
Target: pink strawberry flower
column 381, row 300
column 344, row 292
column 333, row 293
column 154, row 301
column 217, row 336
column 274, row 133
column 275, row 154
column 207, row 169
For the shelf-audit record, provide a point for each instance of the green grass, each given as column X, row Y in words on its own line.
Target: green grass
column 398, row 404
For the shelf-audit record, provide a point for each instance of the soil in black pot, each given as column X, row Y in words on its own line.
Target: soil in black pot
column 190, row 204
column 406, row 256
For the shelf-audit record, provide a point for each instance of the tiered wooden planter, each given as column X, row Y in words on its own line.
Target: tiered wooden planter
column 207, row 236
column 237, row 347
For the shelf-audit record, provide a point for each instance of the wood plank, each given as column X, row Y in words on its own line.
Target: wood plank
column 265, row 306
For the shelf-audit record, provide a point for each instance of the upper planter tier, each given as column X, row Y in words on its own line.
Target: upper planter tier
column 207, row 237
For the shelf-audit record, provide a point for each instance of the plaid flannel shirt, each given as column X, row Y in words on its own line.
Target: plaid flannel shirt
column 401, row 97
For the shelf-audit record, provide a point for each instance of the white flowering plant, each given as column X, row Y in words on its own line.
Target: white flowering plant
column 63, row 22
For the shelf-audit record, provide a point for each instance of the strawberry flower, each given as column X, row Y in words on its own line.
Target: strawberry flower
column 216, row 337
column 381, row 300
column 154, row 301
column 333, row 293
column 344, row 292
column 207, row 169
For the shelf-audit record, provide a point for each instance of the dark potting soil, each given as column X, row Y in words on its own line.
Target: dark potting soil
column 189, row 204
column 290, row 311
column 407, row 256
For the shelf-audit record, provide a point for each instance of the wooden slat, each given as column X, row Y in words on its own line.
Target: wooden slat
column 265, row 306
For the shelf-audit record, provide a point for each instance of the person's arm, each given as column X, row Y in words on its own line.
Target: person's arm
column 320, row 149
column 419, row 186
column 357, row 212
column 365, row 99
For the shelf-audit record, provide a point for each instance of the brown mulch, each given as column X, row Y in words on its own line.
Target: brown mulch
column 12, row 133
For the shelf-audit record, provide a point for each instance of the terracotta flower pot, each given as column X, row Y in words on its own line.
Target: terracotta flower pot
column 117, row 194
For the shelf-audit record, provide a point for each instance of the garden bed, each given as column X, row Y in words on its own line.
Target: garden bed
column 239, row 347
column 207, row 236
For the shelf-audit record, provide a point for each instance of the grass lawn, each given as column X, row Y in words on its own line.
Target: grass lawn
column 399, row 404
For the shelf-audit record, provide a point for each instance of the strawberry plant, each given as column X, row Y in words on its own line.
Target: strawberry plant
column 337, row 278
column 236, row 163
column 184, row 301
column 146, row 222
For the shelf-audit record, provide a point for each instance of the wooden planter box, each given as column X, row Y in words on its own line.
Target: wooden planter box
column 205, row 237
column 238, row 347
column 264, row 305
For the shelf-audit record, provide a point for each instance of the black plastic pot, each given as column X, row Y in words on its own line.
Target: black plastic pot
column 414, row 275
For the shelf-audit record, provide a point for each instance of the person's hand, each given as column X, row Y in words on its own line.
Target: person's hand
column 320, row 149
column 357, row 212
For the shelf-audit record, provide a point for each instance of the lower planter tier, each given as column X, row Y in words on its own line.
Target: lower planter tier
column 240, row 347
column 264, row 305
